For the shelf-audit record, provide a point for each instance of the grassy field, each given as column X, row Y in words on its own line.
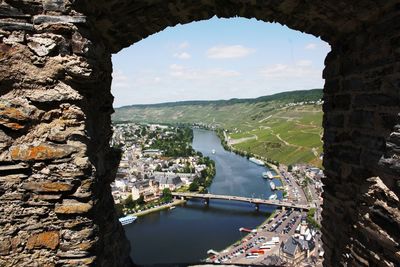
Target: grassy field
column 265, row 126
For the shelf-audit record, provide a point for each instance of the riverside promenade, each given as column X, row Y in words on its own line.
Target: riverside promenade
column 162, row 207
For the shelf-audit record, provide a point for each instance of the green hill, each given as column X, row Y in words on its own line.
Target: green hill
column 269, row 126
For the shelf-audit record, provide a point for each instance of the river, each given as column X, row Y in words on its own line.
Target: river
column 184, row 234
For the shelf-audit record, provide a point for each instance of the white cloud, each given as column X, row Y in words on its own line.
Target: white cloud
column 223, row 73
column 304, row 63
column 120, row 79
column 179, row 71
column 176, row 70
column 182, row 55
column 232, row 51
column 183, row 45
column 282, row 71
column 310, row 46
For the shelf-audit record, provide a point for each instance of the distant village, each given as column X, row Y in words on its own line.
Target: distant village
column 144, row 171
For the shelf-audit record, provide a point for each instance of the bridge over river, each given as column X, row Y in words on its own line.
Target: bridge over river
column 255, row 201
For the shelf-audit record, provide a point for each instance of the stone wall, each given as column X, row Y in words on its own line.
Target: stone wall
column 361, row 216
column 56, row 207
column 56, row 164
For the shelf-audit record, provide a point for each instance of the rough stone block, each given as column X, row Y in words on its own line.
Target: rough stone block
column 39, row 19
column 49, row 240
column 41, row 46
column 15, row 37
column 60, row 92
column 14, row 167
column 43, row 151
column 47, row 187
column 14, row 114
column 5, row 246
column 70, row 206
column 78, row 262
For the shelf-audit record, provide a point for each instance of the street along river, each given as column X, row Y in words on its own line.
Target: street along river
column 184, row 234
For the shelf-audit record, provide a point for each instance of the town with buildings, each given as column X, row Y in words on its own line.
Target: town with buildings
column 145, row 170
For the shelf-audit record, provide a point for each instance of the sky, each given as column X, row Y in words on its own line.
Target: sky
column 217, row 59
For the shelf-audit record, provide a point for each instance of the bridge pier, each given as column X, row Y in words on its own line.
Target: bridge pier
column 206, row 201
column 257, row 207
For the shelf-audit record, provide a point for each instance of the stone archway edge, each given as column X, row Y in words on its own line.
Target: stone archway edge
column 56, row 164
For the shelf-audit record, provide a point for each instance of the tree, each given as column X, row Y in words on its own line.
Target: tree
column 311, row 220
column 129, row 202
column 140, row 200
column 158, row 168
column 194, row 186
column 166, row 195
column 290, row 167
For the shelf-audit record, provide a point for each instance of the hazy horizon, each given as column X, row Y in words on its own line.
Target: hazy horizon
column 205, row 100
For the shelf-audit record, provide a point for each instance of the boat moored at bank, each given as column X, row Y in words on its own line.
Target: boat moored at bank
column 273, row 197
column 127, row 219
column 257, row 161
column 268, row 174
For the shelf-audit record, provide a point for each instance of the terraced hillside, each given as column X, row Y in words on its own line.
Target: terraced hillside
column 269, row 126
column 288, row 135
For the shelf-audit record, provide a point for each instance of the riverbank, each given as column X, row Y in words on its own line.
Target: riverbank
column 162, row 207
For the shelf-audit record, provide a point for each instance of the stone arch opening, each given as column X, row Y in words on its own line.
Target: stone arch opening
column 56, row 164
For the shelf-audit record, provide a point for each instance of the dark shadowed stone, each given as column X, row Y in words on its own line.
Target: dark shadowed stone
column 54, row 5
column 14, row 25
column 80, row 45
column 8, row 11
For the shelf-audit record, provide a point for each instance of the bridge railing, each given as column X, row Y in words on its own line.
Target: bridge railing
column 243, row 199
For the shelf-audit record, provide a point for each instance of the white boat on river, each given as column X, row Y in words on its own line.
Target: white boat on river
column 272, row 185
